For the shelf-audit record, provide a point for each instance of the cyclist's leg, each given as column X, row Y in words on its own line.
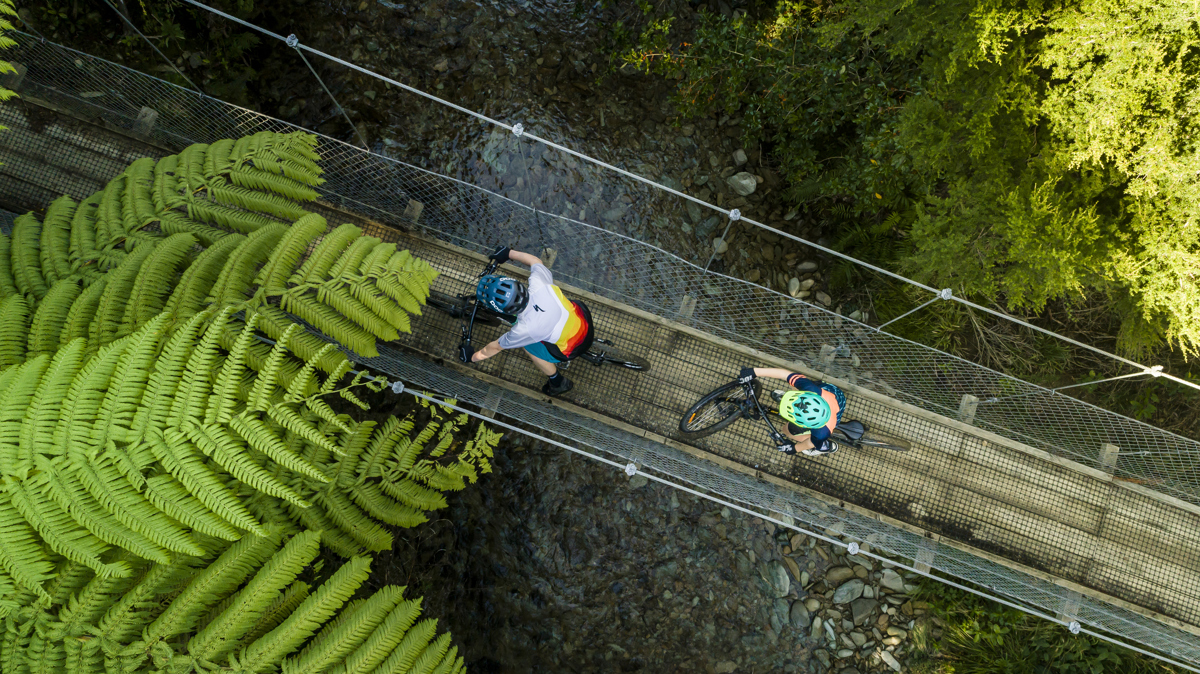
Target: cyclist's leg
column 544, row 361
column 544, row 366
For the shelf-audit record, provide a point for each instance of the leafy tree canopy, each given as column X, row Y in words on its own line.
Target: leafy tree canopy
column 1019, row 151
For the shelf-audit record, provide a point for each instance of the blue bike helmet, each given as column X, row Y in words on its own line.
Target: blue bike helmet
column 502, row 294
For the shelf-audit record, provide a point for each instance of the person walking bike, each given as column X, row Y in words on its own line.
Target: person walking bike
column 549, row 327
column 812, row 411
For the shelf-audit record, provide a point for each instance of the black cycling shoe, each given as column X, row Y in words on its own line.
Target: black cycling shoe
column 557, row 390
column 777, row 395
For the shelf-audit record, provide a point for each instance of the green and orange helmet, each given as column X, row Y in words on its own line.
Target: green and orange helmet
column 805, row 409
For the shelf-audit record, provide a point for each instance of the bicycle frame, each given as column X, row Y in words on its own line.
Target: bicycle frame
column 779, row 438
column 468, row 330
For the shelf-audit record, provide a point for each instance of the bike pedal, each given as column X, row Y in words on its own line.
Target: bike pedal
column 777, row 395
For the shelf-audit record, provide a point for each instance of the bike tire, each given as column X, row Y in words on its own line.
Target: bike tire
column 459, row 308
column 711, row 404
column 881, row 440
column 620, row 358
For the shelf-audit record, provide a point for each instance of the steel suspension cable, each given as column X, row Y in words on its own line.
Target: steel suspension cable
column 156, row 50
column 519, row 131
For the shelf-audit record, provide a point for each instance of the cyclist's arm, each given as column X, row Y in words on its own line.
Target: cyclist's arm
column 487, row 352
column 524, row 258
column 772, row 372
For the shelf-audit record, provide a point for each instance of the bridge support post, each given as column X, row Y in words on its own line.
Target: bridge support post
column 828, row 353
column 1070, row 607
column 967, row 407
column 13, row 80
column 926, row 554
column 1109, row 454
column 687, row 306
column 144, row 124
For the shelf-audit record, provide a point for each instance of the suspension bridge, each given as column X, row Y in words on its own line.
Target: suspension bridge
column 1057, row 507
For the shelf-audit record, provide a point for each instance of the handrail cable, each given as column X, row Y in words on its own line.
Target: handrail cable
column 156, row 50
column 518, row 130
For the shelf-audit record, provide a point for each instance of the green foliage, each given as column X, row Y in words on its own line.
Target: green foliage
column 979, row 636
column 245, row 610
column 1033, row 151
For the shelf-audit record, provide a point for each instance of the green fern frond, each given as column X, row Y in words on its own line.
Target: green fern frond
column 186, row 464
column 50, row 317
column 432, row 655
column 268, row 376
column 371, row 499
column 125, row 618
column 83, row 310
column 365, row 294
column 315, row 268
column 331, row 536
column 285, row 604
column 251, row 200
column 83, row 231
column 307, row 346
column 327, row 320
column 168, row 373
column 26, row 257
column 175, row 223
column 23, row 384
column 245, row 222
column 395, row 644
column 266, row 652
column 109, row 216
column 267, row 181
column 229, row 377
column 223, row 634
column 115, row 417
column 170, row 496
column 197, row 281
column 288, row 251
column 154, row 281
column 259, row 436
column 165, row 190
column 22, row 555
column 377, row 260
column 106, row 324
column 138, row 208
column 56, row 240
column 14, row 322
column 350, row 259
column 230, row 454
column 191, row 397
column 7, row 286
column 217, row 159
column 383, row 443
column 210, row 586
column 59, row 532
column 339, row 637
column 239, row 271
column 292, row 420
column 341, row 300
column 353, row 521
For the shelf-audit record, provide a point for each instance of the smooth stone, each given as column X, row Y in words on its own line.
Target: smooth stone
column 793, row 567
column 862, row 609
column 856, row 315
column 824, row 298
column 845, row 653
column 838, row 574
column 743, row 183
column 793, row 286
column 707, row 228
column 896, row 632
column 799, row 615
column 869, row 592
column 848, row 591
column 807, row 283
column 700, row 180
column 768, row 252
column 694, row 211
column 720, row 245
column 849, row 670
column 777, row 577
column 890, row 660
column 727, row 667
column 803, row 578
column 739, row 156
column 812, row 604
column 806, row 266
column 891, row 580
column 858, row 638
column 823, row 657
column 817, row 628
column 638, row 481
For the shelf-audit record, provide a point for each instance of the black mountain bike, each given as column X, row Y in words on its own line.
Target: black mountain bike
column 726, row 404
column 464, row 306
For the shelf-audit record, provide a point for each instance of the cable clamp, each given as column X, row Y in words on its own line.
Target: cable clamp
column 292, row 40
column 1074, row 627
column 852, row 549
column 1155, row 371
column 397, row 387
column 735, row 215
column 518, row 129
column 945, row 294
column 631, row 469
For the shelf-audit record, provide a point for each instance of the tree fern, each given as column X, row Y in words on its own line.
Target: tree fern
column 79, row 318
column 7, row 286
column 194, row 287
column 51, row 316
column 154, row 281
column 14, row 323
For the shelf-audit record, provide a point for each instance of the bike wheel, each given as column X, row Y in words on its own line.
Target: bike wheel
column 459, row 307
column 716, row 410
column 607, row 353
column 884, row 441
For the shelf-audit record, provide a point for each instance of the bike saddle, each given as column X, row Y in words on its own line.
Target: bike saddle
column 853, row 429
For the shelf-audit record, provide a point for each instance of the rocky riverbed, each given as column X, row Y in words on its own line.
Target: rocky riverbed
column 545, row 64
column 559, row 563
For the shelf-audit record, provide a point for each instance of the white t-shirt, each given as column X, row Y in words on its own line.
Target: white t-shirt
column 546, row 315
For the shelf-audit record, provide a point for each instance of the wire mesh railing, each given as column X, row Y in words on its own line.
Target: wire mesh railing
column 640, row 275
column 679, row 288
